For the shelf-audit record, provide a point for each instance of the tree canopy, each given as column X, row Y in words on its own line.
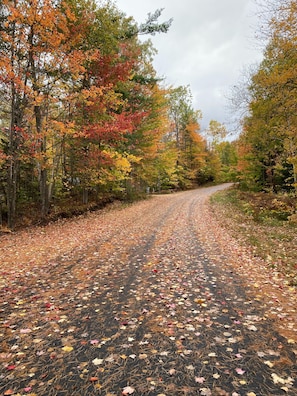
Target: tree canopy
column 268, row 143
column 83, row 113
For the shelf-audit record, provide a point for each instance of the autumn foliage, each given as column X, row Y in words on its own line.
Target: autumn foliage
column 268, row 142
column 83, row 114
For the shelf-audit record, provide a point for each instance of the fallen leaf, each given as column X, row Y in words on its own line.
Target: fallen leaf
column 25, row 331
column 67, row 348
column 128, row 390
column 283, row 381
column 200, row 380
column 11, row 367
column 205, row 392
column 97, row 361
column 252, row 328
column 8, row 392
column 277, row 379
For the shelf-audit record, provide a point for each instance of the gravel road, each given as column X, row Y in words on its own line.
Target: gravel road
column 135, row 300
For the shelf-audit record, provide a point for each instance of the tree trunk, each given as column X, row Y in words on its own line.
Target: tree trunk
column 43, row 182
column 44, row 193
column 295, row 175
column 12, row 148
column 85, row 196
column 12, row 193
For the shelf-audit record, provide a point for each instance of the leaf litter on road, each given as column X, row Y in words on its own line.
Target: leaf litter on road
column 142, row 301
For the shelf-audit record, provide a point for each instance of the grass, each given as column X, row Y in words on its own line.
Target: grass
column 265, row 221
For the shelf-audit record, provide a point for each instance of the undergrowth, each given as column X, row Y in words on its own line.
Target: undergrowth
column 265, row 221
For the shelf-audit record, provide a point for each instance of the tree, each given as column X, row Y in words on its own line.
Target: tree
column 151, row 26
column 216, row 132
column 35, row 43
column 270, row 129
column 184, row 131
column 227, row 152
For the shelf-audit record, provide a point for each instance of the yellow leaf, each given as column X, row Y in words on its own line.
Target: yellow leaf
column 268, row 363
column 199, row 301
column 67, row 348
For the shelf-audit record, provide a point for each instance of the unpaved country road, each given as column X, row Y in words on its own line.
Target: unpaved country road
column 132, row 301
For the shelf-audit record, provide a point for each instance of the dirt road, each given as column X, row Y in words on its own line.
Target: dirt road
column 134, row 301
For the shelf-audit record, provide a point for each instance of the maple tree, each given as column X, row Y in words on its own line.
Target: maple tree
column 113, row 102
column 114, row 110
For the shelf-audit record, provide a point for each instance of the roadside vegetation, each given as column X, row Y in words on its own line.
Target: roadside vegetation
column 265, row 221
column 261, row 210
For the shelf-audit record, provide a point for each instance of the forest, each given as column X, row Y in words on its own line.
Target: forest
column 85, row 119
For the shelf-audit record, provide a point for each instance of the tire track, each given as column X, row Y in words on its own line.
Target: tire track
column 149, row 305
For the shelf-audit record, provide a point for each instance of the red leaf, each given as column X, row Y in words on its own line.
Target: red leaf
column 93, row 379
column 8, row 392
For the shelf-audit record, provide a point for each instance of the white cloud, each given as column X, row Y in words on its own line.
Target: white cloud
column 207, row 46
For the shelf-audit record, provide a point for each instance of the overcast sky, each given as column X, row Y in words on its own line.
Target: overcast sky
column 209, row 45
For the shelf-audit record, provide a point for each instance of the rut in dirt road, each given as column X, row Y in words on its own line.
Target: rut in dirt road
column 141, row 308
